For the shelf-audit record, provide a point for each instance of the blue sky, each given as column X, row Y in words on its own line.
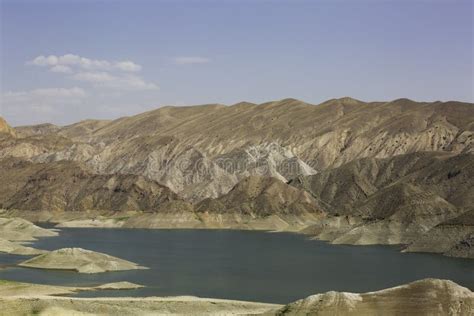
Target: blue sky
column 63, row 61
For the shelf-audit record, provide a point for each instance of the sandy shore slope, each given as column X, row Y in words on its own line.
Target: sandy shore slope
column 423, row 297
column 80, row 260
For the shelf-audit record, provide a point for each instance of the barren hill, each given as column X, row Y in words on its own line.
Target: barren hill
column 68, row 186
column 262, row 196
column 384, row 172
column 80, row 260
column 396, row 200
column 169, row 144
column 424, row 297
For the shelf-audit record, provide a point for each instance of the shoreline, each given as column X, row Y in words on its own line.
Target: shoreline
column 425, row 296
column 422, row 297
column 334, row 230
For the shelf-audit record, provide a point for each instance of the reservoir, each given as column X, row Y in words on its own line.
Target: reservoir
column 242, row 265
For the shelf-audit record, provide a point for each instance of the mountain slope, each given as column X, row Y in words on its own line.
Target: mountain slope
column 68, row 186
column 259, row 197
column 424, row 297
column 392, row 200
column 384, row 172
column 316, row 137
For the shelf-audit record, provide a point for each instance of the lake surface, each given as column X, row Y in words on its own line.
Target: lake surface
column 243, row 265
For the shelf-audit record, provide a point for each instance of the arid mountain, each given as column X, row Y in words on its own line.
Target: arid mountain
column 35, row 130
column 310, row 137
column 397, row 200
column 261, row 196
column 384, row 172
column 81, row 128
column 454, row 238
column 68, row 186
column 424, row 297
column 353, row 187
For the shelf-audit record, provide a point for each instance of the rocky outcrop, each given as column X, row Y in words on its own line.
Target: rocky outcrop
column 341, row 189
column 80, row 260
column 424, row 297
column 392, row 200
column 391, row 170
column 452, row 238
column 34, row 146
column 35, row 130
column 261, row 196
column 164, row 143
column 69, row 186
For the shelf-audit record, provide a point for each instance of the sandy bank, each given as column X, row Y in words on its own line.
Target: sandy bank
column 13, row 288
column 80, row 260
column 424, row 297
column 15, row 231
column 182, row 305
column 352, row 230
column 18, row 229
column 16, row 248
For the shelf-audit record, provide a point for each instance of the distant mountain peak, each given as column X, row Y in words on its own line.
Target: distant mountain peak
column 403, row 101
column 349, row 101
column 243, row 103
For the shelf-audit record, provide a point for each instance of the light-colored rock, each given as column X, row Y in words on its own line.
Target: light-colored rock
column 262, row 196
column 70, row 186
column 93, row 223
column 118, row 286
column 16, row 248
column 80, row 260
column 424, row 297
column 166, row 144
column 180, row 305
column 451, row 238
column 18, row 229
column 13, row 288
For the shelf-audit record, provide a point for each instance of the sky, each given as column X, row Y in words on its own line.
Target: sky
column 65, row 61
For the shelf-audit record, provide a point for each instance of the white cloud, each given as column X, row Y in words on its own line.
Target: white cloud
column 100, row 73
column 107, row 80
column 48, row 93
column 128, row 66
column 94, row 77
column 187, row 60
column 71, row 60
column 61, row 69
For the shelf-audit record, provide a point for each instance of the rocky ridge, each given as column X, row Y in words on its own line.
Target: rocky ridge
column 166, row 144
column 395, row 178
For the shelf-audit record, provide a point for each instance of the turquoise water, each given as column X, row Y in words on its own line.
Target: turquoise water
column 243, row 265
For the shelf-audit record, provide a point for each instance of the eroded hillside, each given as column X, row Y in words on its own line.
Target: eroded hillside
column 346, row 171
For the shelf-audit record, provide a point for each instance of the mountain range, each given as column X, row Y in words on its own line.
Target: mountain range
column 346, row 171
